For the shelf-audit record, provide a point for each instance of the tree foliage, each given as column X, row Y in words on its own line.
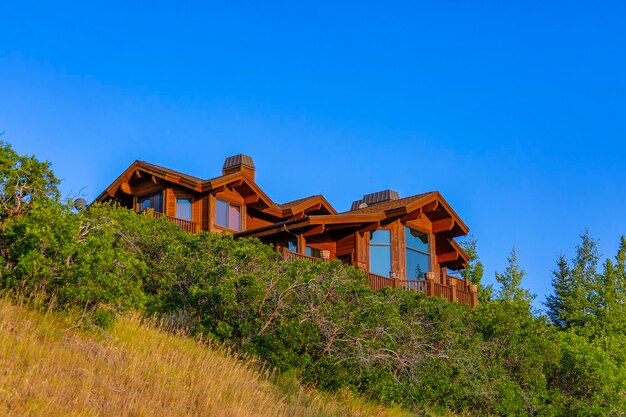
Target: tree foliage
column 23, row 180
column 511, row 281
column 322, row 323
column 475, row 269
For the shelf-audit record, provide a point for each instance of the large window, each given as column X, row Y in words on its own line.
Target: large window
column 380, row 252
column 183, row 208
column 312, row 252
column 151, row 201
column 227, row 215
column 417, row 254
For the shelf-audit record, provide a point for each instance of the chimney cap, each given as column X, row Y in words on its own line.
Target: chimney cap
column 238, row 160
column 375, row 198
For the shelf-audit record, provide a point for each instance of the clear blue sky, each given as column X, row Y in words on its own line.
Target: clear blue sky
column 515, row 112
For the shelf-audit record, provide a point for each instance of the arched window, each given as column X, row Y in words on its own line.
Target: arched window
column 380, row 252
column 417, row 254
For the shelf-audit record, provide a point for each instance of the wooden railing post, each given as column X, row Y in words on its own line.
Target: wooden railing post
column 394, row 275
column 453, row 294
column 430, row 283
column 473, row 289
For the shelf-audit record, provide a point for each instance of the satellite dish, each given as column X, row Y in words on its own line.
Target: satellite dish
column 80, row 203
column 362, row 205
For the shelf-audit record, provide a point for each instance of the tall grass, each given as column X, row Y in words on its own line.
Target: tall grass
column 48, row 368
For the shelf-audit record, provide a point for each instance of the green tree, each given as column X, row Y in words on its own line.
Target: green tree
column 475, row 270
column 577, row 297
column 561, row 282
column 23, row 180
column 611, row 303
column 511, row 281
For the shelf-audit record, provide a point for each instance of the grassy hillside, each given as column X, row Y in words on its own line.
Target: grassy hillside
column 51, row 369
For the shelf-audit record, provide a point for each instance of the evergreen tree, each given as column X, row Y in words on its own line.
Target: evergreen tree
column 511, row 281
column 561, row 282
column 577, row 298
column 611, row 304
column 475, row 270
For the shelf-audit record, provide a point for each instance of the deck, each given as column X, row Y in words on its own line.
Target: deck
column 429, row 286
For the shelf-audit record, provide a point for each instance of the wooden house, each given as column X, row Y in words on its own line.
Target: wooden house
column 400, row 242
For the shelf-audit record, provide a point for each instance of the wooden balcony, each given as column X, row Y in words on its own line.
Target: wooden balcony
column 428, row 286
column 288, row 255
column 185, row 225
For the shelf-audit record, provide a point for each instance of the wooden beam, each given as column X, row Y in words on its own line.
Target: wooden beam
column 315, row 207
column 138, row 174
column 447, row 257
column 251, row 199
column 235, row 184
column 430, row 207
column 370, row 227
column 443, row 225
column 318, row 230
column 125, row 188
column 415, row 214
column 154, row 179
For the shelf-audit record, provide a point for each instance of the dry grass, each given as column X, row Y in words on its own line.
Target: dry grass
column 49, row 369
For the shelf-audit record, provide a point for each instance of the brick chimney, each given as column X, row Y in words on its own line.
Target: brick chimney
column 238, row 163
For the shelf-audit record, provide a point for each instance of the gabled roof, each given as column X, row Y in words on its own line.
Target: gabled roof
column 302, row 204
column 166, row 174
column 199, row 185
column 389, row 204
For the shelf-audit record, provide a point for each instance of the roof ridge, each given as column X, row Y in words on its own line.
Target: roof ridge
column 385, row 205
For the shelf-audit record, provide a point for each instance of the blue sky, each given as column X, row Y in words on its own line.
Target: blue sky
column 515, row 112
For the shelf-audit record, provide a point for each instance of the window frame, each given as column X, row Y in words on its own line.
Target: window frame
column 407, row 248
column 151, row 197
column 229, row 204
column 191, row 201
column 387, row 245
column 311, row 252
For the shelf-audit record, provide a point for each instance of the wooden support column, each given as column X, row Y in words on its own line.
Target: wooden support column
column 301, row 244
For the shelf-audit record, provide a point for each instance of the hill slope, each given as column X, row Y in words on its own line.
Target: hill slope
column 50, row 369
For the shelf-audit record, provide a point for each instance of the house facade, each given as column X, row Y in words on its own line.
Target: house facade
column 400, row 242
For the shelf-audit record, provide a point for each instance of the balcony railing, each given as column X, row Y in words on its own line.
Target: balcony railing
column 185, row 225
column 294, row 255
column 413, row 285
column 378, row 282
column 457, row 290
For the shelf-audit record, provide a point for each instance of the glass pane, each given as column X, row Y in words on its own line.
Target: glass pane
column 292, row 245
column 234, row 218
column 144, row 203
column 183, row 208
column 380, row 260
column 157, row 202
column 416, row 264
column 380, row 237
column 417, row 240
column 315, row 253
column 221, row 213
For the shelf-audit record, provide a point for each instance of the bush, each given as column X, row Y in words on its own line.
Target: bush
column 317, row 321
